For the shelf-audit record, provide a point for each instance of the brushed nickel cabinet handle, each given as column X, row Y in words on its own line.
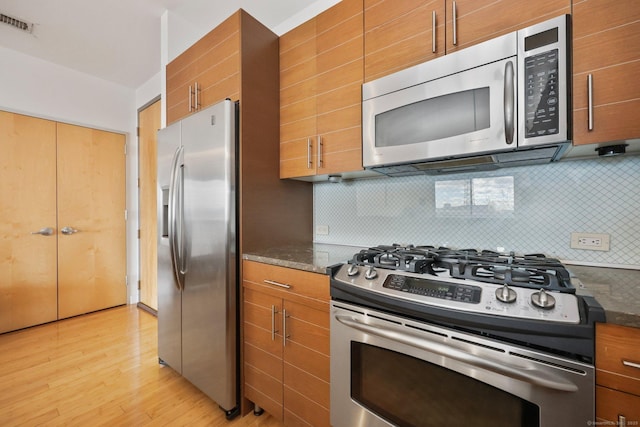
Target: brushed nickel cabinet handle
column 197, row 103
column 455, row 25
column 631, row 364
column 433, row 32
column 274, row 310
column 590, row 100
column 282, row 285
column 284, row 327
column 622, row 421
column 190, row 99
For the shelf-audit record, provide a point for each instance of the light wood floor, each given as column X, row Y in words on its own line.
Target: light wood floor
column 100, row 369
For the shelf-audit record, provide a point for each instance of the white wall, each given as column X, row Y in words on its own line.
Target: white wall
column 38, row 88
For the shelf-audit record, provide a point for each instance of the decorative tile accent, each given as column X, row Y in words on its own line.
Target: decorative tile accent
column 550, row 202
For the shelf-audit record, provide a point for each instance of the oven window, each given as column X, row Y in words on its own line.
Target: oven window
column 434, row 118
column 411, row 392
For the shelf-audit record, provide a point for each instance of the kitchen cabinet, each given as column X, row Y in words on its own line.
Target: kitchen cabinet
column 286, row 342
column 606, row 63
column 617, row 374
column 207, row 72
column 62, row 222
column 248, row 73
column 400, row 34
column 321, row 73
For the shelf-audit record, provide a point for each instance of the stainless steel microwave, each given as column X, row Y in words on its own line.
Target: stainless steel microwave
column 500, row 103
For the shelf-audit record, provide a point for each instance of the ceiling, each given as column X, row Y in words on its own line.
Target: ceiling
column 119, row 40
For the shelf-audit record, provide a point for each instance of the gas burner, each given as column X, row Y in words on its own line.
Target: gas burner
column 415, row 259
column 534, row 271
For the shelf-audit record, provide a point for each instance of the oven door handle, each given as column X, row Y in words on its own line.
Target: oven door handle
column 522, row 373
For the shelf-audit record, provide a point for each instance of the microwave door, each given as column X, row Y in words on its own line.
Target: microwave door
column 464, row 114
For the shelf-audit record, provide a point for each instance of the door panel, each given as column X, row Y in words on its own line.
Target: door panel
column 91, row 201
column 28, row 262
column 149, row 122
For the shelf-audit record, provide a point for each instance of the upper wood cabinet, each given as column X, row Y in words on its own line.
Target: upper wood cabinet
column 400, row 34
column 207, row 72
column 321, row 74
column 606, row 64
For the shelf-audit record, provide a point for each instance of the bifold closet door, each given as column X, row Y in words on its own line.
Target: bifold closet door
column 91, row 220
column 28, row 234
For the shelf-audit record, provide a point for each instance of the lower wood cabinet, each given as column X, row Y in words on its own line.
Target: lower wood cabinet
column 286, row 343
column 617, row 375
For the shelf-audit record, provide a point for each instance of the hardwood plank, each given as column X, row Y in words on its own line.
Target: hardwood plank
column 100, row 369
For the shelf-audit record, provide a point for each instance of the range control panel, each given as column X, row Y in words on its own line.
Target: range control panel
column 429, row 288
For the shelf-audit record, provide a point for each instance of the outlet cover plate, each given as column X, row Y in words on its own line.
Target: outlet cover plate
column 590, row 241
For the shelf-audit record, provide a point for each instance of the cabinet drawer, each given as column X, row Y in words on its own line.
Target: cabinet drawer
column 611, row 404
column 618, row 358
column 296, row 282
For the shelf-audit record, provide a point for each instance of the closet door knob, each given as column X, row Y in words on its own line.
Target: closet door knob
column 47, row 231
column 68, row 230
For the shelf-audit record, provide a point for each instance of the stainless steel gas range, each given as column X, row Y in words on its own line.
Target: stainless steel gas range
column 426, row 336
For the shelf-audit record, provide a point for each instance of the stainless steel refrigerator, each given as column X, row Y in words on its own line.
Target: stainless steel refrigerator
column 197, row 255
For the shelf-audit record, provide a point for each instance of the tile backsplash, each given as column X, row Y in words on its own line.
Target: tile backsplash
column 526, row 209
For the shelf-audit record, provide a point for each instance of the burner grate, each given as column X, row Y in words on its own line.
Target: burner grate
column 534, row 271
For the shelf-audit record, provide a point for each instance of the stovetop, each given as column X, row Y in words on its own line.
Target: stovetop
column 530, row 286
column 528, row 299
column 534, row 271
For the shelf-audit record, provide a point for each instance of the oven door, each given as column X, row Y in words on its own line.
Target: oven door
column 463, row 114
column 390, row 371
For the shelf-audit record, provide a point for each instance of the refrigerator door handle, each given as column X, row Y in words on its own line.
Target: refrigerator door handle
column 173, row 219
column 182, row 247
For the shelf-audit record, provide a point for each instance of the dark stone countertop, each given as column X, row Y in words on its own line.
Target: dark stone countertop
column 616, row 289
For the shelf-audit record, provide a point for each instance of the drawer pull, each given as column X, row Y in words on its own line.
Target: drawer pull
column 274, row 310
column 622, row 421
column 631, row 364
column 282, row 285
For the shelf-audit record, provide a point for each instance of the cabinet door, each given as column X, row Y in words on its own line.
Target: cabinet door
column 480, row 20
column 298, row 101
column 339, row 68
column 28, row 262
column 213, row 64
column 306, row 365
column 91, row 204
column 263, row 350
column 399, row 34
column 611, row 405
column 606, row 46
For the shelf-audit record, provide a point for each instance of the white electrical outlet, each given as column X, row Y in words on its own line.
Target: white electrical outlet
column 590, row 241
column 322, row 230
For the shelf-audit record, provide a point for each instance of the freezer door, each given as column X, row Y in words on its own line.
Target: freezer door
column 209, row 296
column 169, row 294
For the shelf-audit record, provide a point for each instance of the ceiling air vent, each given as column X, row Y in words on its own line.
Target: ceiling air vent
column 16, row 23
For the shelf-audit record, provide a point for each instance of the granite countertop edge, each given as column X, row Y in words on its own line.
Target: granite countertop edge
column 617, row 290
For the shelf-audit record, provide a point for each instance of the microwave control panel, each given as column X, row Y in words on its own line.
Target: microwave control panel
column 542, row 92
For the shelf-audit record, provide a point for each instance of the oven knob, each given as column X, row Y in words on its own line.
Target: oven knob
column 542, row 299
column 353, row 270
column 506, row 294
column 371, row 273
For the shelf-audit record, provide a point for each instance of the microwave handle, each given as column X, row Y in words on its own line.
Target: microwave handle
column 509, row 101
